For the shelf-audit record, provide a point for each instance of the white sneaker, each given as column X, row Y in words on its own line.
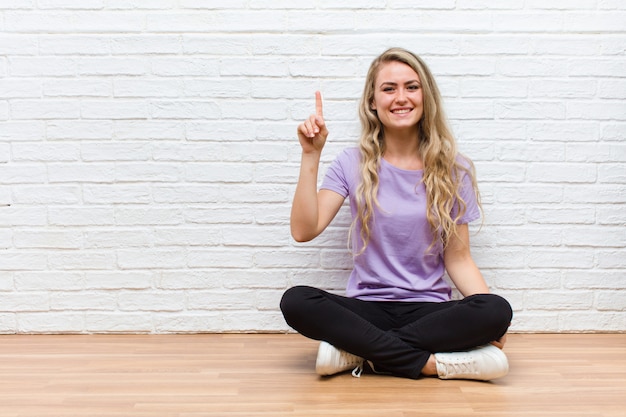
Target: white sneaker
column 331, row 360
column 483, row 363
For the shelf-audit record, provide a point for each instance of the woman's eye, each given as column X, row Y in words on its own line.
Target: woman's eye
column 414, row 87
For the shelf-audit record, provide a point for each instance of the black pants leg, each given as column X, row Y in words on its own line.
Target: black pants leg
column 397, row 337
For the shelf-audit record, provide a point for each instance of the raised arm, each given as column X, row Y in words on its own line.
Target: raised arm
column 312, row 211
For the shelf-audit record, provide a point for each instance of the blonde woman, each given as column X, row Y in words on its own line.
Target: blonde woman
column 411, row 198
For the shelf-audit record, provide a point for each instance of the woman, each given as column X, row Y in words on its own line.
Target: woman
column 411, row 197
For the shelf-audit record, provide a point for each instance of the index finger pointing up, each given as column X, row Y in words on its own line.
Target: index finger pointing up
column 318, row 104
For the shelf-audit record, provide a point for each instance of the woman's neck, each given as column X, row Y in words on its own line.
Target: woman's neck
column 402, row 151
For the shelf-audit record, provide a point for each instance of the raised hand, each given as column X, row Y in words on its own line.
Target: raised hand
column 312, row 133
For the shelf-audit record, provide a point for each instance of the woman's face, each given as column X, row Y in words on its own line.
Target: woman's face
column 398, row 97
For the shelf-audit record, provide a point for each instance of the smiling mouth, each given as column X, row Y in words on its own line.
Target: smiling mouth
column 401, row 111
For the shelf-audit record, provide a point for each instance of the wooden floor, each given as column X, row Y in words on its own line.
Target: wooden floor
column 273, row 375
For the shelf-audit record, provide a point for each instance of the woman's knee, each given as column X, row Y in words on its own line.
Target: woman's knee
column 497, row 309
column 294, row 299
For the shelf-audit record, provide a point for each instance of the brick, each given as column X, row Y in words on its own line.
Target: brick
column 114, row 109
column 50, row 322
column 26, row 301
column 595, row 194
column 155, row 216
column 205, row 237
column 560, row 258
column 17, row 131
column 561, row 215
column 116, row 280
column 44, row 152
column 220, row 258
column 150, row 259
column 533, row 280
column 22, row 174
column 612, row 89
column 117, row 238
column 529, row 110
column 146, row 44
column 186, row 194
column 610, row 301
column 151, row 301
column 78, row 300
column 60, row 44
column 116, row 322
column 77, row 88
column 528, row 322
column 17, row 88
column 563, row 131
column 565, row 45
column 612, row 173
column 159, row 88
column 532, row 67
column 78, row 173
column 551, row 300
column 44, row 109
column 117, row 151
column 596, row 111
column 70, row 4
column 78, row 129
column 217, row 44
column 81, row 216
column 561, row 88
column 561, row 173
column 501, row 172
column 490, row 4
column 147, row 172
column 188, row 322
column 8, row 323
column 266, row 236
column 46, row 194
column 611, row 258
column 611, row 214
column 122, row 66
column 190, row 279
column 81, row 260
column 179, row 109
column 562, row 4
column 595, row 279
column 30, row 239
column 601, row 321
column 149, row 130
column 595, row 22
column 141, row 4
column 117, row 193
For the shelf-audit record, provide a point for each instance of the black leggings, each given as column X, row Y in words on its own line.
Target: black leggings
column 397, row 337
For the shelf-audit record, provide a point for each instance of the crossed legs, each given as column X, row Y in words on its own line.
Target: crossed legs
column 398, row 337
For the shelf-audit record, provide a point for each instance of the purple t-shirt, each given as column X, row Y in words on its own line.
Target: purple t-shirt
column 397, row 264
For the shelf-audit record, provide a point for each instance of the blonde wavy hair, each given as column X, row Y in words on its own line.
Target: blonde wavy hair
column 442, row 169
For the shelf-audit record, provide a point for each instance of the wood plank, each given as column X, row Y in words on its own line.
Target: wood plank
column 208, row 375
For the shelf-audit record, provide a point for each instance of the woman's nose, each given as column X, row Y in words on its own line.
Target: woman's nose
column 400, row 97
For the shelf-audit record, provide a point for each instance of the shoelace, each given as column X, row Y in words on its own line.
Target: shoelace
column 356, row 372
column 346, row 358
column 464, row 367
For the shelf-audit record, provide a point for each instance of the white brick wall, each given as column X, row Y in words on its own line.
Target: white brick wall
column 148, row 153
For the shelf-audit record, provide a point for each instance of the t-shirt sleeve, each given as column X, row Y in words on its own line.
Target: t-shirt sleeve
column 468, row 194
column 335, row 178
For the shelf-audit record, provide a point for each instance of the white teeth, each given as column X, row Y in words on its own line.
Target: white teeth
column 401, row 111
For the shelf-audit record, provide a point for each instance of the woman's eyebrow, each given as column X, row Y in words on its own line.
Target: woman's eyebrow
column 392, row 83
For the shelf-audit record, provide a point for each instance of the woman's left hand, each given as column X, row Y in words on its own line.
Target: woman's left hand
column 500, row 342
